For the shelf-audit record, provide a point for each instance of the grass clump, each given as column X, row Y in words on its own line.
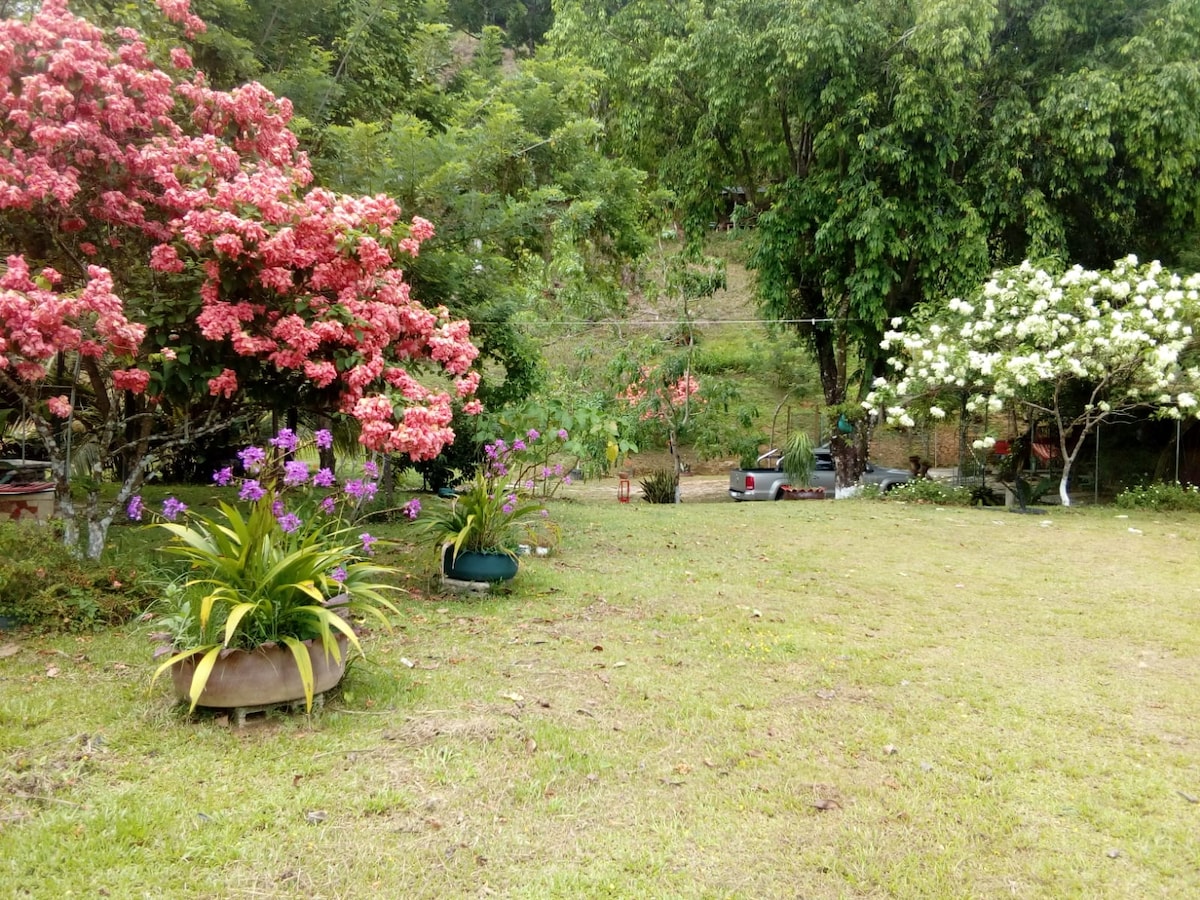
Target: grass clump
column 43, row 586
column 1161, row 496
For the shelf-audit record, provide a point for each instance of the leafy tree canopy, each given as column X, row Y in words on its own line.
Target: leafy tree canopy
column 895, row 152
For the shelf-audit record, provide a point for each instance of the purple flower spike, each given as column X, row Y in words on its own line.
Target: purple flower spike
column 285, row 440
column 562, row 434
column 533, row 434
column 412, row 508
column 518, row 444
column 252, row 458
column 328, row 505
column 135, row 507
column 367, row 542
column 338, row 574
column 223, row 476
column 289, row 522
column 355, row 488
column 323, row 438
column 251, row 490
column 371, row 469
column 295, row 472
column 172, row 508
column 324, row 478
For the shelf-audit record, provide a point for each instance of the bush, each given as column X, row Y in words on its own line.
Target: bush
column 660, row 486
column 926, row 490
column 725, row 359
column 44, row 587
column 1161, row 496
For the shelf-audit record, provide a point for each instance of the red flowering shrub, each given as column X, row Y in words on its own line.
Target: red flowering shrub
column 171, row 251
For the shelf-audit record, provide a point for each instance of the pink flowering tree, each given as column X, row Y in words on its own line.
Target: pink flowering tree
column 665, row 397
column 171, row 266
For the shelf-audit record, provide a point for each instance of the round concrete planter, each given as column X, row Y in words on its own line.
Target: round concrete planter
column 475, row 565
column 260, row 677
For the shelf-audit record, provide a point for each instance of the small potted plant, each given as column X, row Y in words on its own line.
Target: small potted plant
column 477, row 533
column 799, row 462
column 265, row 615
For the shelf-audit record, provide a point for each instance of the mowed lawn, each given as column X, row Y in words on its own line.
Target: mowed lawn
column 838, row 699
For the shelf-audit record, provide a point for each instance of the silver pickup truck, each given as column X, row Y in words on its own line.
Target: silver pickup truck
column 764, row 483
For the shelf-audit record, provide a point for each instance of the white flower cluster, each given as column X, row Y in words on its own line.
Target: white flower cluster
column 1028, row 334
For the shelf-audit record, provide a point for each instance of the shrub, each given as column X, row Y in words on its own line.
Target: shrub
column 1161, row 496
column 44, row 587
column 926, row 490
column 660, row 486
column 725, row 359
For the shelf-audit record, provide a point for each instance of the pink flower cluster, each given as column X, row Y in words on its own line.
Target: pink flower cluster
column 37, row 322
column 659, row 400
column 129, row 158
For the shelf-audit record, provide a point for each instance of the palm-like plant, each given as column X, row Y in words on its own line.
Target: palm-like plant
column 799, row 459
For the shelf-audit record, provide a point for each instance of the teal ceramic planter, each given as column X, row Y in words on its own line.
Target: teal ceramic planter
column 474, row 565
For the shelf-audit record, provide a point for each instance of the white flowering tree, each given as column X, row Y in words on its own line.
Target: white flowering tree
column 1081, row 348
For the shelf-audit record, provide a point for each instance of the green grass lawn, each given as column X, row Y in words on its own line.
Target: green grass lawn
column 713, row 700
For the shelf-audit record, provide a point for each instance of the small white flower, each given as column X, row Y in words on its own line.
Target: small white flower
column 938, row 413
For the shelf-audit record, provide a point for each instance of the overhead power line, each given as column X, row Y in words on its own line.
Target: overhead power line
column 547, row 323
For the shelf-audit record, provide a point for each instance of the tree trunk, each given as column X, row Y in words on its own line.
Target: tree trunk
column 848, row 460
column 678, row 464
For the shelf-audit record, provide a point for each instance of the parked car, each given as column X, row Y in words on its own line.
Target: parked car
column 764, row 483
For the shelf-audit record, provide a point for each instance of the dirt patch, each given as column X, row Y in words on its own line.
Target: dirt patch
column 694, row 489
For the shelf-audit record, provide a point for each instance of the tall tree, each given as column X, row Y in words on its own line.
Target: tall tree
column 895, row 151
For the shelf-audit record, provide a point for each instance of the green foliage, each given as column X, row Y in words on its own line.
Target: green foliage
column 747, row 449
column 897, row 152
column 1161, row 496
column 798, row 459
column 924, row 490
column 43, row 586
column 529, row 214
column 597, row 435
column 660, row 486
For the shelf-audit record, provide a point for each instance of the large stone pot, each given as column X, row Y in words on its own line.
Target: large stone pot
column 260, row 677
column 477, row 565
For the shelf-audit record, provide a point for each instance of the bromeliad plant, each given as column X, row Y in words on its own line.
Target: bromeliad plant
column 287, row 570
